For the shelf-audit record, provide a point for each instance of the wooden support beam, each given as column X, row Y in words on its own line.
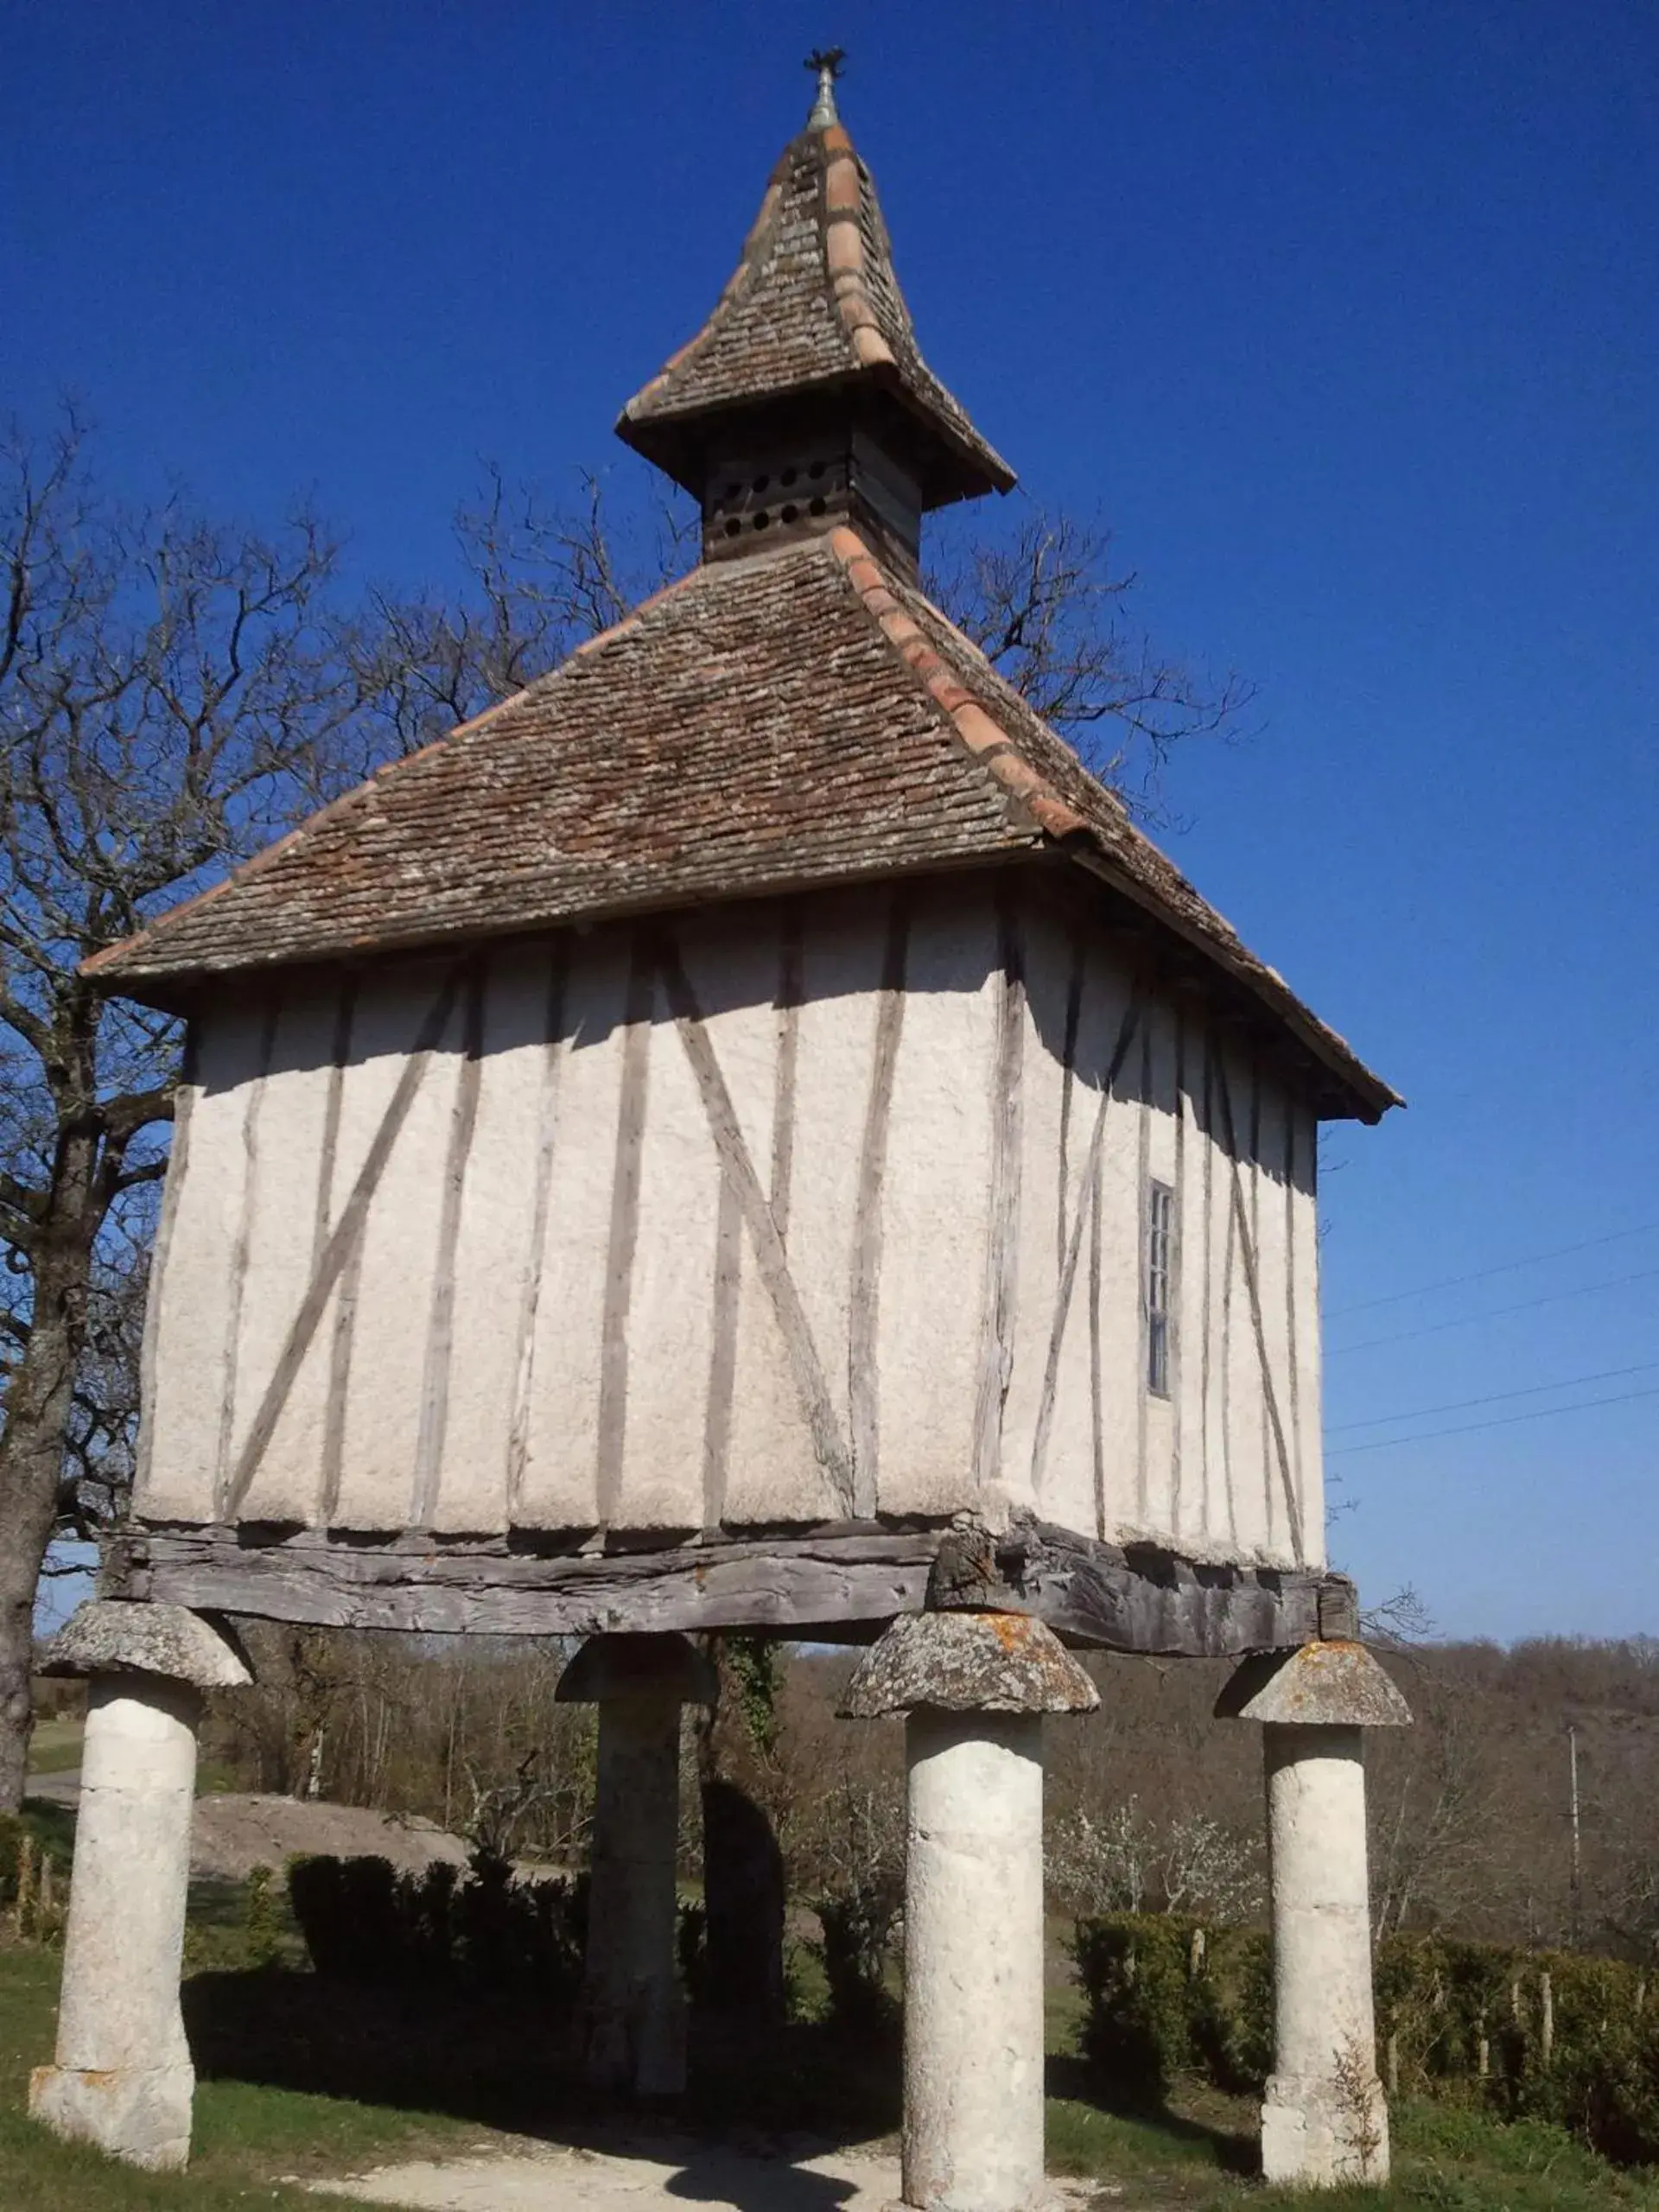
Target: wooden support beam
column 840, row 1582
column 1141, row 1597
column 425, row 1584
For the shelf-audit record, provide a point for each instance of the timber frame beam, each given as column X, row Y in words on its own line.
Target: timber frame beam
column 840, row 1582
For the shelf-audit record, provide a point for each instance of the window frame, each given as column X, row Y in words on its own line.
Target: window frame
column 1160, row 1260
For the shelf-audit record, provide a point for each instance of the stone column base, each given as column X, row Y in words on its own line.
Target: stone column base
column 141, row 2115
column 1325, row 2134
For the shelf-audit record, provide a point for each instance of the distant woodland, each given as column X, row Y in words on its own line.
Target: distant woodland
column 1153, row 1806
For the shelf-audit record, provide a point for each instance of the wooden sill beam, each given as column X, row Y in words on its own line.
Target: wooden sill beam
column 840, row 1582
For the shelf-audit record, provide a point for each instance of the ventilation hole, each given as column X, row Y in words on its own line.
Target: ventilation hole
column 762, row 519
column 787, row 478
column 761, row 482
column 815, row 471
column 816, row 507
column 734, row 526
column 788, row 513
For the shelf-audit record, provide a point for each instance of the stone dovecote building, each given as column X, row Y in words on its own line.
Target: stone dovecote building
column 749, row 1132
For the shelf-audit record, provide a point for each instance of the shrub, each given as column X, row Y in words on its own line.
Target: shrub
column 1553, row 2035
column 365, row 1922
column 1230, row 1991
column 34, row 1881
column 856, row 1929
column 1139, row 2031
column 262, row 1923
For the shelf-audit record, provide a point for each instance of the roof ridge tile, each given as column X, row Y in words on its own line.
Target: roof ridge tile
column 992, row 745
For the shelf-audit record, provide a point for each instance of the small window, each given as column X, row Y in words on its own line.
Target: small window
column 1159, row 1285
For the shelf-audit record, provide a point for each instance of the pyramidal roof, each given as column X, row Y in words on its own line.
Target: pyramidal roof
column 813, row 303
column 801, row 717
column 794, row 717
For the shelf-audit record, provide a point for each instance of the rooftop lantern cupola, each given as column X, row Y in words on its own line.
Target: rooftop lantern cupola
column 804, row 401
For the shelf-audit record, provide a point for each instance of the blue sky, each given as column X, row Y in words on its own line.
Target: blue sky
column 1345, row 318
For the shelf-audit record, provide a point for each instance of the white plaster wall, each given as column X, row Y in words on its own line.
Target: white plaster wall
column 190, row 1287
column 494, row 1245
column 1192, row 1486
column 755, row 1445
column 1273, row 1272
column 842, row 968
column 935, row 1207
column 1119, row 1201
column 537, row 1329
column 562, row 1421
column 1063, row 1456
column 288, row 1123
column 670, row 1329
column 1213, row 1195
column 1306, row 1375
column 1245, row 1429
column 392, row 1322
column 1046, row 955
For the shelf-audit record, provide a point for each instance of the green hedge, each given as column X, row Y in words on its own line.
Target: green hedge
column 1553, row 2035
column 1166, row 1997
column 365, row 1922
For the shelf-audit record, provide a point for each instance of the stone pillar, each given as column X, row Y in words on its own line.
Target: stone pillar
column 1324, row 2123
column 974, row 1688
column 122, row 2078
column 631, row 2015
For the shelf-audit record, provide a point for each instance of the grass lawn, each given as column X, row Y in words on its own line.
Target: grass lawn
column 246, row 2138
column 54, row 1747
column 264, row 2041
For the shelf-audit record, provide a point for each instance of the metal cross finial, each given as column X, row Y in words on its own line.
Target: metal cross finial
column 826, row 62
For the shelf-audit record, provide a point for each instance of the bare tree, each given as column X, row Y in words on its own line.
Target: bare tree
column 538, row 578
column 171, row 693
column 1430, row 1809
column 1124, row 1861
column 1044, row 603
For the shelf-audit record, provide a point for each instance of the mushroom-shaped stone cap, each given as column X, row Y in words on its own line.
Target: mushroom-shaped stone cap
column 968, row 1663
column 112, row 1636
column 634, row 1664
column 1335, row 1684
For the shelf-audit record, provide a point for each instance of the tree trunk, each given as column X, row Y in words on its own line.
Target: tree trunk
column 38, row 1404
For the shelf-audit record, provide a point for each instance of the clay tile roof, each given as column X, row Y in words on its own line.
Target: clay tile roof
column 797, row 718
column 814, row 302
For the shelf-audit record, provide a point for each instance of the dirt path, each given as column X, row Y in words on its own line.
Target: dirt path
column 234, row 1832
column 655, row 2175
column 546, row 2177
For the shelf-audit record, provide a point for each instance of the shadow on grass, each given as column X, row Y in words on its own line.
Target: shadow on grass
column 483, row 2058
column 1233, row 2149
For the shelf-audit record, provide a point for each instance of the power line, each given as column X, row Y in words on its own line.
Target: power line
column 1503, row 1267
column 1498, row 1312
column 1504, row 1420
column 1494, row 1397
